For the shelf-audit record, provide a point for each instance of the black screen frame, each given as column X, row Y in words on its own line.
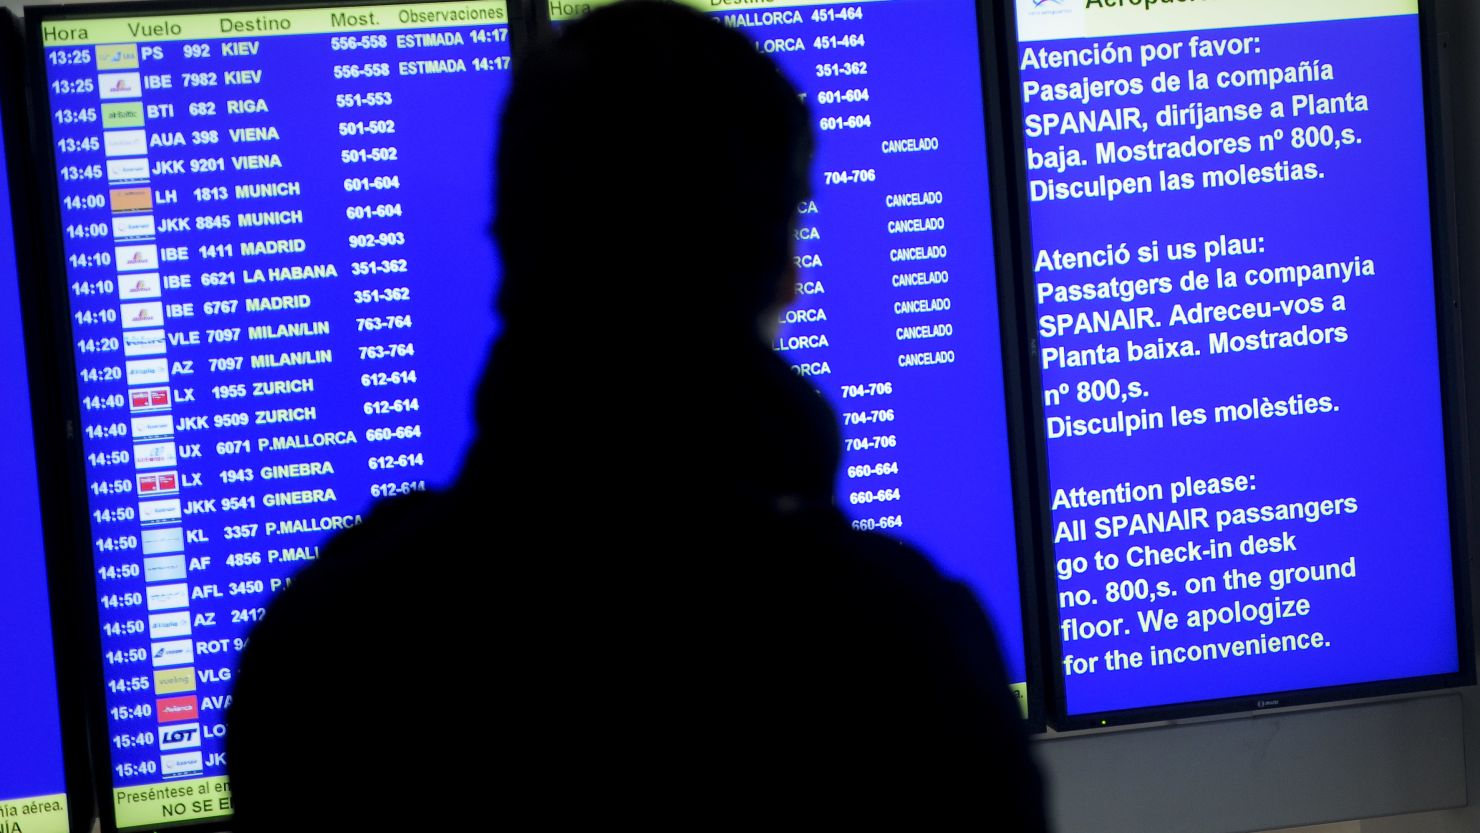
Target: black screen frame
column 1015, row 329
column 1453, row 406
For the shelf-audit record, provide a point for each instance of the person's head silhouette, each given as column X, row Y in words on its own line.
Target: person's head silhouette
column 650, row 166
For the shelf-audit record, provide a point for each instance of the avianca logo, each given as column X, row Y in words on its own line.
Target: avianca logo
column 174, row 709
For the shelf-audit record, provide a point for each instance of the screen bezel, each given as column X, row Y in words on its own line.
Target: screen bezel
column 1453, row 409
column 1014, row 329
column 78, row 556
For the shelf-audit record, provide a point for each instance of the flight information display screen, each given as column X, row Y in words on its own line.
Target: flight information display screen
column 896, row 318
column 33, row 782
column 274, row 225
column 1234, row 272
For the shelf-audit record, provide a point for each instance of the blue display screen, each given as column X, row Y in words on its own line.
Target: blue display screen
column 275, row 229
column 32, row 777
column 1234, row 273
column 896, row 320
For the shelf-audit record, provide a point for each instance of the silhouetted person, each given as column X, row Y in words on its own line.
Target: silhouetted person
column 638, row 603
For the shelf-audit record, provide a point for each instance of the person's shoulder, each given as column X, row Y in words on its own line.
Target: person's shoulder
column 392, row 527
column 356, row 568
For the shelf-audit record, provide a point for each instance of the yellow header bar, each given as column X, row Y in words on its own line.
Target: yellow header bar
column 267, row 22
column 564, row 11
column 1040, row 20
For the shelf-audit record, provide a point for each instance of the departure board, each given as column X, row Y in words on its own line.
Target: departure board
column 33, row 778
column 274, row 225
column 1234, row 268
column 896, row 318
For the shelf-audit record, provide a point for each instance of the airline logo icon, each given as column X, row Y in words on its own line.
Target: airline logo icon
column 133, row 227
column 174, row 680
column 169, row 626
column 118, row 56
column 181, row 765
column 125, row 143
column 143, row 342
column 184, row 736
column 147, row 314
column 156, row 541
column 149, row 399
column 154, row 456
column 136, row 258
column 175, row 709
column 164, row 568
column 1050, row 20
column 114, row 85
column 158, row 484
column 155, row 427
column 159, row 512
column 174, row 652
column 147, row 371
column 138, row 287
column 124, row 200
column 125, row 114
column 121, row 171
column 168, row 597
